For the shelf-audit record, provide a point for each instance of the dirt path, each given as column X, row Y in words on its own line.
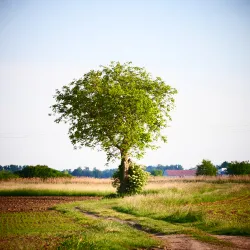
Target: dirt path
column 181, row 241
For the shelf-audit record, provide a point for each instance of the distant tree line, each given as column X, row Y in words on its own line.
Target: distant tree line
column 86, row 172
column 160, row 169
column 108, row 173
column 40, row 171
column 238, row 168
column 157, row 170
column 12, row 168
column 228, row 168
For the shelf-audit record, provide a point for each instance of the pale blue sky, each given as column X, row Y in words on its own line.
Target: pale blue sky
column 202, row 48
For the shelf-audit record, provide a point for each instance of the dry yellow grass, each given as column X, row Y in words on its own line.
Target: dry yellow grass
column 73, row 180
column 93, row 184
column 64, row 184
column 58, row 186
column 223, row 178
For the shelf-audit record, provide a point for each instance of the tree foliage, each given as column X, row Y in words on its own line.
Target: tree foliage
column 206, row 168
column 151, row 169
column 238, row 168
column 137, row 178
column 223, row 165
column 6, row 175
column 157, row 172
column 11, row 168
column 118, row 108
column 95, row 173
column 40, row 171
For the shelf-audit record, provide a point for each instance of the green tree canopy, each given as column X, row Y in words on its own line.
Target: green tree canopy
column 118, row 108
column 40, row 171
column 206, row 168
column 157, row 172
column 238, row 168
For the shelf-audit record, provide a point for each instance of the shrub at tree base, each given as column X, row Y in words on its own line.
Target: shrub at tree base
column 206, row 168
column 238, row 168
column 137, row 178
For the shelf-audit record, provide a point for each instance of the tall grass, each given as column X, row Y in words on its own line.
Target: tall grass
column 57, row 186
column 59, row 180
column 208, row 179
column 221, row 208
column 86, row 186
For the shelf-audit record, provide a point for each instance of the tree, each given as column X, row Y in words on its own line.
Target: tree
column 97, row 173
column 118, row 108
column 157, row 172
column 87, row 172
column 40, row 171
column 6, row 175
column 238, row 168
column 206, row 168
column 223, row 165
column 77, row 172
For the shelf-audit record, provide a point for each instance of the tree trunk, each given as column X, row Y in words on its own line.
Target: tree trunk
column 124, row 170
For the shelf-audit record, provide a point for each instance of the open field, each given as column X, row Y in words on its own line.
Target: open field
column 210, row 213
column 100, row 187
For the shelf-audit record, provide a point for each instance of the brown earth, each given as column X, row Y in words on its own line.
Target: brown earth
column 36, row 203
column 184, row 242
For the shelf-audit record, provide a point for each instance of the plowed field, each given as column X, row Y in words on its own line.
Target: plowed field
column 36, row 203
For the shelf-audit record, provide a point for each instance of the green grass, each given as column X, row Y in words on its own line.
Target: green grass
column 33, row 222
column 228, row 217
column 198, row 209
column 102, row 233
column 48, row 192
column 105, row 209
column 35, row 230
column 69, row 230
column 220, row 209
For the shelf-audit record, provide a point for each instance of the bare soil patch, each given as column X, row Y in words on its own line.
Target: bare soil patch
column 239, row 241
column 36, row 203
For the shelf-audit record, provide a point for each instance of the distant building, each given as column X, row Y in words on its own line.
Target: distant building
column 222, row 171
column 179, row 173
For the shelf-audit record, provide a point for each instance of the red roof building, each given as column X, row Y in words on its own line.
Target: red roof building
column 179, row 173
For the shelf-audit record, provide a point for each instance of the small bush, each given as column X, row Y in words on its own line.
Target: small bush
column 137, row 178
